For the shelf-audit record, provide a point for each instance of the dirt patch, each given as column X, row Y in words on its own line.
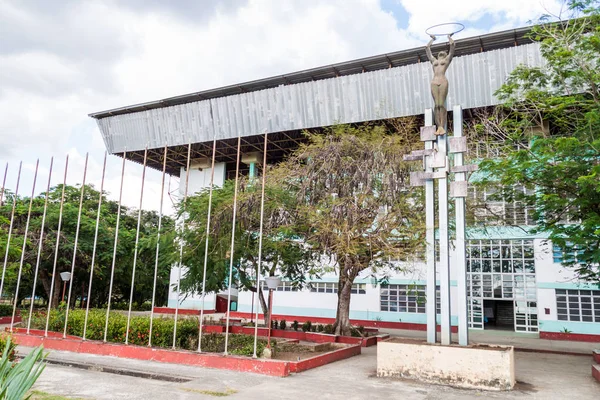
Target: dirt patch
column 302, row 351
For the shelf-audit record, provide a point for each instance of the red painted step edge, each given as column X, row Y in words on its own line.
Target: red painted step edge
column 182, row 311
column 363, row 322
column 596, row 372
column 332, row 356
column 6, row 320
column 234, row 363
column 576, row 337
column 597, row 356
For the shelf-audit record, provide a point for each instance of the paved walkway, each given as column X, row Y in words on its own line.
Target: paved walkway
column 541, row 376
column 521, row 341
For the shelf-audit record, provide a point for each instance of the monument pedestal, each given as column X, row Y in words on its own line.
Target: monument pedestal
column 476, row 366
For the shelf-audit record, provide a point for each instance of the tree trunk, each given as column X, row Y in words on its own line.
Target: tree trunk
column 264, row 306
column 342, row 324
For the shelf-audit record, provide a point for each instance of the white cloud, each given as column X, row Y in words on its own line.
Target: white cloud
column 60, row 62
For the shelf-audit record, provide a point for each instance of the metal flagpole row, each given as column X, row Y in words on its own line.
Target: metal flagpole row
column 40, row 245
column 210, row 192
column 187, row 179
column 10, row 228
column 60, row 213
column 135, row 250
column 160, row 215
column 260, row 238
column 16, row 300
column 75, row 245
column 112, row 267
column 237, row 169
column 87, row 307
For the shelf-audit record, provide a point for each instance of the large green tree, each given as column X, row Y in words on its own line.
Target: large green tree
column 551, row 127
column 355, row 202
column 282, row 251
column 104, row 247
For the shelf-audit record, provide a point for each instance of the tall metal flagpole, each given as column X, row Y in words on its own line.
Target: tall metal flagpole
column 237, row 168
column 114, row 257
column 461, row 256
column 56, row 247
column 210, row 192
column 12, row 320
column 10, row 228
column 3, row 184
column 430, row 236
column 260, row 240
column 135, row 250
column 160, row 215
column 75, row 246
column 40, row 245
column 187, row 179
column 442, row 142
column 89, row 295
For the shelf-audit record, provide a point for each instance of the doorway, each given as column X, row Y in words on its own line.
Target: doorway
column 499, row 314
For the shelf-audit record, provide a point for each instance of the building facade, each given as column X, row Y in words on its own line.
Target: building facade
column 515, row 279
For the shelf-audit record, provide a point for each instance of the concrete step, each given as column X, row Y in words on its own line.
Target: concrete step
column 596, row 372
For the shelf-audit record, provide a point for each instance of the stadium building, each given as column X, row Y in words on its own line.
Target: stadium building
column 515, row 280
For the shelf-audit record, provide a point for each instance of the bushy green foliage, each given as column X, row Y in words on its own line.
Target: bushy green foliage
column 4, row 345
column 6, row 310
column 282, row 324
column 320, row 328
column 17, row 378
column 295, row 325
column 328, row 329
column 139, row 327
column 306, row 326
column 560, row 166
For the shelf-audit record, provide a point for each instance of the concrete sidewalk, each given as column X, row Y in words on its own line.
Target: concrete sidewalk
column 540, row 376
column 521, row 341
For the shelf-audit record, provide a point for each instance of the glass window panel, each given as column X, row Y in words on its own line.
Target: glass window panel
column 496, row 265
column 486, row 266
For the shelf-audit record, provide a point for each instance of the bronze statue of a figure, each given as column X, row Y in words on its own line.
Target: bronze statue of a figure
column 439, row 84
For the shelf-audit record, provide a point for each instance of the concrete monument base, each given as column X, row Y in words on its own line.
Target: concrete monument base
column 475, row 367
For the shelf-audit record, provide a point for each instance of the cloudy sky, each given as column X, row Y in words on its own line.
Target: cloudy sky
column 63, row 59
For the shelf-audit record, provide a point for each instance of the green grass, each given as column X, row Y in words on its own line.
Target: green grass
column 39, row 395
column 212, row 392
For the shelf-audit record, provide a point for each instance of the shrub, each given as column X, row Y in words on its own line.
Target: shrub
column 4, row 340
column 313, row 328
column 282, row 324
column 319, row 328
column 328, row 329
column 295, row 325
column 274, row 324
column 6, row 310
column 17, row 378
column 306, row 326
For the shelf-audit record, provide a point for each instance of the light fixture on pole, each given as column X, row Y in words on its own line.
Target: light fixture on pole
column 272, row 283
column 66, row 277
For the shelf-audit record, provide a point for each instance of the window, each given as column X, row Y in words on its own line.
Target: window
column 578, row 305
column 491, row 208
column 501, row 269
column 406, row 298
column 283, row 287
column 559, row 256
column 332, row 287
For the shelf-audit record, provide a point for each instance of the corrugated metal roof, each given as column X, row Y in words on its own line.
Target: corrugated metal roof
column 477, row 44
column 380, row 94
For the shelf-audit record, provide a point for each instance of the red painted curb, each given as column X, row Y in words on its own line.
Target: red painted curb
column 596, row 372
column 597, row 356
column 181, row 311
column 332, row 356
column 574, row 337
column 6, row 320
column 363, row 322
column 234, row 363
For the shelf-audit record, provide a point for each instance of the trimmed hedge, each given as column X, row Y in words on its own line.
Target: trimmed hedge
column 6, row 310
column 139, row 328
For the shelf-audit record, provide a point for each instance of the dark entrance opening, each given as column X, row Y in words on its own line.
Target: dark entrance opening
column 499, row 314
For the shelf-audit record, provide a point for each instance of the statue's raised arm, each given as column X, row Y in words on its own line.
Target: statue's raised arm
column 428, row 49
column 452, row 47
